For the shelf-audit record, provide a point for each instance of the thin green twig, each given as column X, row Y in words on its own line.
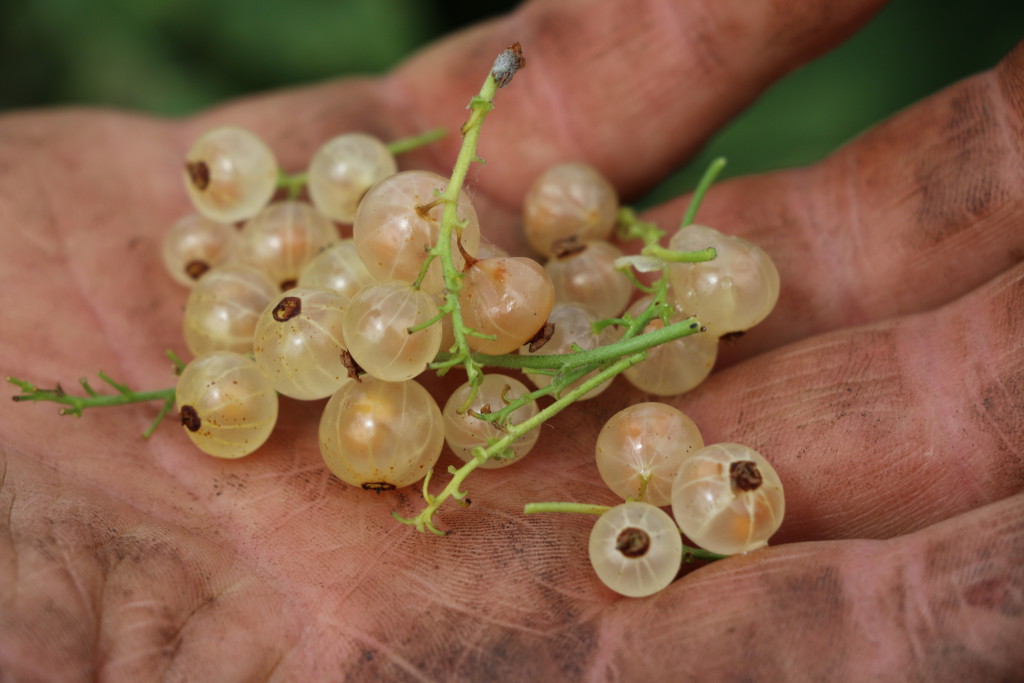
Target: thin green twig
column 75, row 405
column 403, row 145
column 690, row 553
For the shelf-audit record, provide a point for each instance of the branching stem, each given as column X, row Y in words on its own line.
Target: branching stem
column 94, row 399
column 601, row 364
column 460, row 354
column 424, row 520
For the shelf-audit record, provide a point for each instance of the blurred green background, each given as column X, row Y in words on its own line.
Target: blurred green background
column 177, row 57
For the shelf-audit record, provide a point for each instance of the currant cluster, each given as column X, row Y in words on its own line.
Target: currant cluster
column 725, row 497
column 349, row 280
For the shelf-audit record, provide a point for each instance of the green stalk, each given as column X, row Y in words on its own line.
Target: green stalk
column 709, row 177
column 602, row 354
column 479, row 107
column 576, row 508
column 689, row 553
column 292, row 183
column 93, row 399
column 424, row 520
column 403, row 145
column 670, row 256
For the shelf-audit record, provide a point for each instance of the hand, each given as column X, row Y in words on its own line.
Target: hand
column 887, row 389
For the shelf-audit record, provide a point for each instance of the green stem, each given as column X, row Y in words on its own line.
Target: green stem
column 625, row 346
column 680, row 256
column 567, row 369
column 578, row 508
column 630, row 227
column 479, row 107
column 403, row 145
column 453, row 489
column 710, row 174
column 689, row 553
column 74, row 405
column 179, row 364
column 291, row 183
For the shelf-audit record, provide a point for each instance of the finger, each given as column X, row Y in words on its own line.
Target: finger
column 632, row 90
column 946, row 603
column 875, row 431
column 919, row 211
column 884, row 429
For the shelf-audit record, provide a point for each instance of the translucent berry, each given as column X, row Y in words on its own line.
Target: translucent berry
column 195, row 244
column 584, row 273
column 731, row 293
column 338, row 268
column 399, row 220
column 299, row 344
column 343, row 169
column 282, row 238
column 573, row 330
column 640, row 449
column 569, row 200
column 463, row 431
column 381, row 435
column 508, row 297
column 230, row 174
column 677, row 366
column 222, row 309
column 727, row 499
column 226, row 405
column 636, row 549
column 377, row 329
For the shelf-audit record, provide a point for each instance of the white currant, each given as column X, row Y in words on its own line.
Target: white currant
column 338, row 268
column 636, row 549
column 282, row 238
column 463, row 431
column 569, row 200
column 230, row 174
column 728, row 499
column 732, row 292
column 343, row 169
column 640, row 449
column 573, row 331
column 226, row 404
column 299, row 344
column 381, row 435
column 584, row 273
column 507, row 297
column 676, row 366
column 377, row 327
column 399, row 220
column 222, row 309
column 195, row 244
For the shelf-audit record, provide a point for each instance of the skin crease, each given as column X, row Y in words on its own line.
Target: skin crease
column 887, row 389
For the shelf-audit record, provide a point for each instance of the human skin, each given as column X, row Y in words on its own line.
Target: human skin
column 887, row 388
